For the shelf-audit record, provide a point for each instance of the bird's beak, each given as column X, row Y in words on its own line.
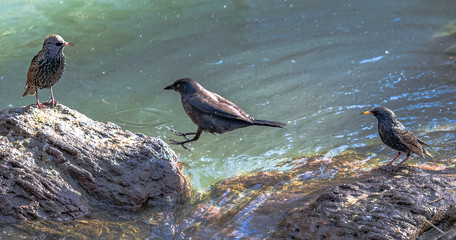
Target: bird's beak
column 170, row 87
column 68, row 44
column 367, row 112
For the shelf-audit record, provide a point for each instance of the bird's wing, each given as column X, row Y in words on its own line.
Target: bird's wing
column 212, row 103
column 408, row 139
column 33, row 69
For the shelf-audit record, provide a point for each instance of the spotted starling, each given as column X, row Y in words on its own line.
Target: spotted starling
column 46, row 67
column 211, row 112
column 394, row 134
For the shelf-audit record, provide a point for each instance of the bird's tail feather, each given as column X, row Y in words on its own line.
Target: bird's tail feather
column 269, row 123
column 423, row 143
column 427, row 153
column 29, row 91
column 424, row 150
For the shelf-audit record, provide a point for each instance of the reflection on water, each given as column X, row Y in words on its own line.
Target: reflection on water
column 315, row 65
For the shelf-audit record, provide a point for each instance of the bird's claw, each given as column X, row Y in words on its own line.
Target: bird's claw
column 41, row 106
column 180, row 134
column 400, row 165
column 53, row 102
column 178, row 143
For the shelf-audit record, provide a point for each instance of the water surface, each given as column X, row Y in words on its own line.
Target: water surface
column 312, row 64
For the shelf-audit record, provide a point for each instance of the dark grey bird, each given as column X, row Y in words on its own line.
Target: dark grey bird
column 396, row 136
column 211, row 112
column 46, row 68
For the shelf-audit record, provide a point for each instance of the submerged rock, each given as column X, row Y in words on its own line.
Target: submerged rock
column 445, row 37
column 57, row 163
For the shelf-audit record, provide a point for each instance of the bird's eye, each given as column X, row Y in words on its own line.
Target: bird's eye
column 58, row 44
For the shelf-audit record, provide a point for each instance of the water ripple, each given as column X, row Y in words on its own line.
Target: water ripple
column 139, row 117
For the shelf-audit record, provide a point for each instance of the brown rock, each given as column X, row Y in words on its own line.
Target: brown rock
column 387, row 206
column 55, row 162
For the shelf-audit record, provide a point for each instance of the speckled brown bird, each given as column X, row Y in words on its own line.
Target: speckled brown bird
column 211, row 112
column 396, row 136
column 46, row 68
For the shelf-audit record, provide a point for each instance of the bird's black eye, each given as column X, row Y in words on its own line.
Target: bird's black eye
column 58, row 44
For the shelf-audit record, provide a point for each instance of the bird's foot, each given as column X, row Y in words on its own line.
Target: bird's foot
column 40, row 105
column 400, row 165
column 179, row 143
column 53, row 102
column 181, row 134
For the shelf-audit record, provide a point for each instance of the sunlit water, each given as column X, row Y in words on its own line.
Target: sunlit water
column 312, row 64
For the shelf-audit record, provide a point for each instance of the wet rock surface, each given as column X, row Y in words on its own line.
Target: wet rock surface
column 57, row 164
column 394, row 204
column 385, row 203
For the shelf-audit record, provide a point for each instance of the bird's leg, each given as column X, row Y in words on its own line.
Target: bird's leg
column 181, row 134
column 38, row 101
column 196, row 137
column 394, row 159
column 53, row 102
column 407, row 158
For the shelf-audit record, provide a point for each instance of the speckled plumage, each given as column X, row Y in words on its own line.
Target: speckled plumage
column 46, row 68
column 396, row 136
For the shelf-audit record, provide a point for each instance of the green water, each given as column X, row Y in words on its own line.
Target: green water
column 314, row 65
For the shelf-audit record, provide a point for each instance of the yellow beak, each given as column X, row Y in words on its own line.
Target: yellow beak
column 367, row 112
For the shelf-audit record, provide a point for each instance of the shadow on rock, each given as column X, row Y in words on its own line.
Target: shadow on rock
column 56, row 164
